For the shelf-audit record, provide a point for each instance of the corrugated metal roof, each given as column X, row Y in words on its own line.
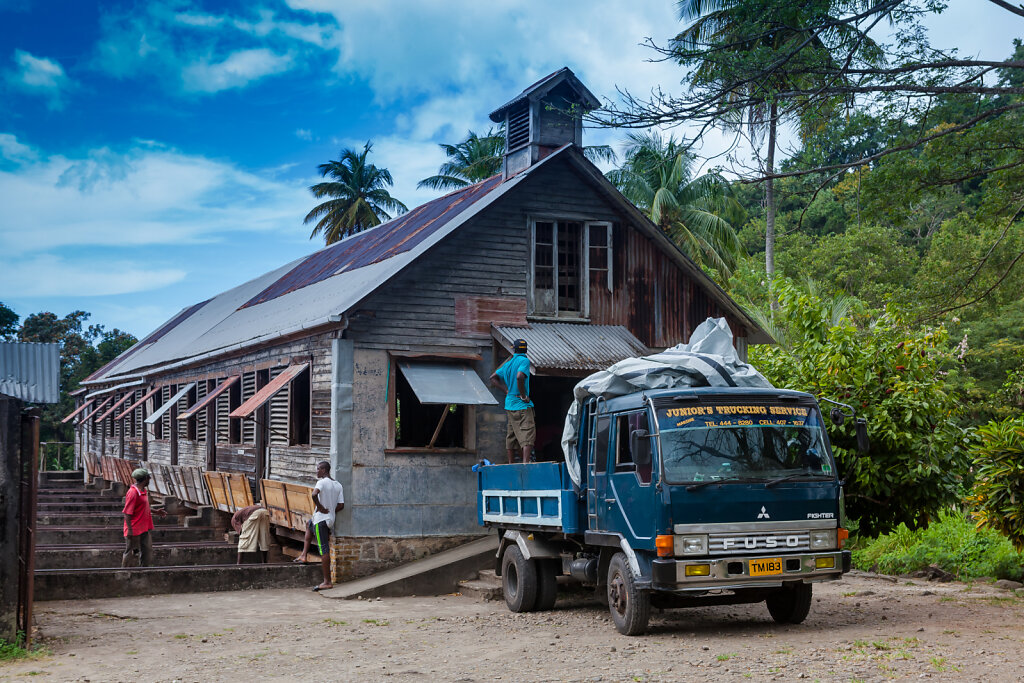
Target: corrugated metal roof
column 30, row 371
column 567, row 346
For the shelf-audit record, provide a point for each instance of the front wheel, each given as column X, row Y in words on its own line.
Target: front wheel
column 790, row 605
column 630, row 607
column 518, row 580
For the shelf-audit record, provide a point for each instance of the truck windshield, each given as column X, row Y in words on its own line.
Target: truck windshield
column 743, row 442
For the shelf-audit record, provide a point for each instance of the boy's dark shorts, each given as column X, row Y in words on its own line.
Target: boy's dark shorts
column 321, row 534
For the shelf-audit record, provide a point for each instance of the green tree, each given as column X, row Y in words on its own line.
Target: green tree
column 896, row 376
column 358, row 196
column 474, row 159
column 998, row 494
column 699, row 214
column 8, row 323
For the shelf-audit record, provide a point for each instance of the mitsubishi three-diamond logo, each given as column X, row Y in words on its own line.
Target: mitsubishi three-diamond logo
column 763, row 514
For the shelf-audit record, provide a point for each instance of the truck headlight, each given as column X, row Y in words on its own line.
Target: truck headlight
column 692, row 545
column 823, row 540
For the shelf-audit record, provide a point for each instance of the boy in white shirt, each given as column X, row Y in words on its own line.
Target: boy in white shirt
column 328, row 499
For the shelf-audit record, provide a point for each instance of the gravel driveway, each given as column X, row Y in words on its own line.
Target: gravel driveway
column 864, row 628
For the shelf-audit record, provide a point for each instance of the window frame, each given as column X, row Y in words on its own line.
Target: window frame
column 469, row 417
column 584, row 266
column 630, row 466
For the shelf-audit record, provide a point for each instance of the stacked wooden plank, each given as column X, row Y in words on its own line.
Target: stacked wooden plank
column 117, row 469
column 181, row 481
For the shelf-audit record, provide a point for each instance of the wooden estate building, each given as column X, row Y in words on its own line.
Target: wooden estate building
column 373, row 353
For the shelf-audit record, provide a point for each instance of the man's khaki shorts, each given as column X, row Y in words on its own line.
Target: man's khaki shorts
column 522, row 429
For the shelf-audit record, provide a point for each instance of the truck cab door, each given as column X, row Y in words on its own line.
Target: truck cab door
column 597, row 471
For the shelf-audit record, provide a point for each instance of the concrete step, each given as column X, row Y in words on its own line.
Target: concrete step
column 60, row 475
column 79, row 508
column 434, row 575
column 73, row 496
column 98, row 535
column 109, row 555
column 106, row 518
column 81, row 584
column 485, row 587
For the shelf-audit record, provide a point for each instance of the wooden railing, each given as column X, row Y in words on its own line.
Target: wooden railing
column 229, row 491
column 290, row 505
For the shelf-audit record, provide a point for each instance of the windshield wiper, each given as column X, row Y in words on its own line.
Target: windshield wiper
column 708, row 482
column 795, row 475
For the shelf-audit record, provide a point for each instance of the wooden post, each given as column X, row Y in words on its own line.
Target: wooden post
column 174, row 433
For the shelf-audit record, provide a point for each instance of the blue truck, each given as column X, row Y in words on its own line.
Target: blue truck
column 685, row 497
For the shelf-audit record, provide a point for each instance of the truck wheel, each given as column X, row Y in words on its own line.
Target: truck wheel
column 790, row 605
column 518, row 580
column 547, row 584
column 630, row 606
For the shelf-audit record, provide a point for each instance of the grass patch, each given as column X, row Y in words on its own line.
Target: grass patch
column 10, row 652
column 953, row 542
column 377, row 622
column 180, row 636
column 725, row 657
column 335, row 622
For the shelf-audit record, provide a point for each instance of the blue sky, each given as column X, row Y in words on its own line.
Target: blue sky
column 155, row 154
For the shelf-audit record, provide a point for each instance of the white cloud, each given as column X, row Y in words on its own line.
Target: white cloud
column 236, row 71
column 49, row 275
column 145, row 195
column 304, row 134
column 40, row 75
column 13, row 150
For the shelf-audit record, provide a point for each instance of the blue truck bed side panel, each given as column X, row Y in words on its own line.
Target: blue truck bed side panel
column 534, row 495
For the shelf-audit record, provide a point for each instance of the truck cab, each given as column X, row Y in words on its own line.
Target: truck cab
column 686, row 497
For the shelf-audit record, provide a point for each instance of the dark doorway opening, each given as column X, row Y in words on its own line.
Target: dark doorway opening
column 551, row 397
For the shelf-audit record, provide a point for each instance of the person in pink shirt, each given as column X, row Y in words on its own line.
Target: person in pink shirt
column 138, row 523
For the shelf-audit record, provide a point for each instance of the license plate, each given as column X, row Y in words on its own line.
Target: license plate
column 766, row 567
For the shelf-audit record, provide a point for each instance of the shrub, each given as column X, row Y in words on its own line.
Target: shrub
column 953, row 543
column 998, row 495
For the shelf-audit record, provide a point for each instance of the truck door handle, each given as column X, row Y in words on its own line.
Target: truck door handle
column 610, row 501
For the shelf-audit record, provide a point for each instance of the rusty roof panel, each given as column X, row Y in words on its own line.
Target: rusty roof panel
column 566, row 346
column 372, row 246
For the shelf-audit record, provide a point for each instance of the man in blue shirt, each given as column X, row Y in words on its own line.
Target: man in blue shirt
column 513, row 377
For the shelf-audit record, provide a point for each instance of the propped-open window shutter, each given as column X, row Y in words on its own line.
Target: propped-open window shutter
column 248, row 391
column 279, row 412
column 201, row 415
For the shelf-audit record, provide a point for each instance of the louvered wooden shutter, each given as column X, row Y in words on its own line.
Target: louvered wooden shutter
column 201, row 415
column 165, row 419
column 248, row 391
column 223, row 410
column 279, row 413
column 519, row 127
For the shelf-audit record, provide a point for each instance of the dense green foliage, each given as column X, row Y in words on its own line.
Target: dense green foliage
column 951, row 542
column 894, row 374
column 998, row 494
column 83, row 351
column 357, row 196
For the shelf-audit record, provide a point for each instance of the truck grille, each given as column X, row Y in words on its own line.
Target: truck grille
column 759, row 542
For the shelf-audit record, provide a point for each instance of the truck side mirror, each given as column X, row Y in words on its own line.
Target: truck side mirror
column 640, row 446
column 863, row 443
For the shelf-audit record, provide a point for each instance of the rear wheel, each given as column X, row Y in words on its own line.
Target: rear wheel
column 547, row 584
column 518, row 580
column 630, row 607
column 790, row 605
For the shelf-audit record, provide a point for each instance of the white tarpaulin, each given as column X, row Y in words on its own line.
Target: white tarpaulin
column 708, row 360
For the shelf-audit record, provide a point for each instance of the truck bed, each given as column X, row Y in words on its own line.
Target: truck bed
column 532, row 496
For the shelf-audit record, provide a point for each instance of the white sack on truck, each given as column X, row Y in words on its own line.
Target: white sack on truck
column 708, row 360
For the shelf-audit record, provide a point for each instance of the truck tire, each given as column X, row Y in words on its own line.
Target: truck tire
column 790, row 605
column 630, row 607
column 547, row 584
column 518, row 580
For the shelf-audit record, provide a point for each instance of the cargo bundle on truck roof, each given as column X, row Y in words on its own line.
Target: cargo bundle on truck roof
column 688, row 479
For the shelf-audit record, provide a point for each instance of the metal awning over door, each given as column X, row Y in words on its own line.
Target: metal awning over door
column 446, row 384
column 552, row 347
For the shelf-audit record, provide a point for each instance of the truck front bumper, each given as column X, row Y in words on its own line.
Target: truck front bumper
column 735, row 572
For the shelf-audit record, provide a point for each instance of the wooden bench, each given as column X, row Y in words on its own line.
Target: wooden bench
column 184, row 482
column 290, row 505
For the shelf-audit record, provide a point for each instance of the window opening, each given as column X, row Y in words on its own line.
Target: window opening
column 601, row 443
column 426, row 426
column 279, row 412
column 599, row 240
column 624, row 462
column 299, row 410
column 189, row 399
column 248, row 391
column 165, row 419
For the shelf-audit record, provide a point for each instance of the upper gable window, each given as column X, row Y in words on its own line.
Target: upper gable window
column 566, row 257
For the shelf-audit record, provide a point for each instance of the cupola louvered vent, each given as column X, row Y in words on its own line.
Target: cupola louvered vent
column 519, row 128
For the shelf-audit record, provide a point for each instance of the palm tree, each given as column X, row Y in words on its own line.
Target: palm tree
column 358, row 193
column 470, row 161
column 698, row 214
column 477, row 158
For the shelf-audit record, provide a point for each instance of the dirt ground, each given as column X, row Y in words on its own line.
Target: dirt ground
column 864, row 628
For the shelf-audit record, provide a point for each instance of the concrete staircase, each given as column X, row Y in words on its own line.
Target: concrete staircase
column 485, row 587
column 79, row 541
